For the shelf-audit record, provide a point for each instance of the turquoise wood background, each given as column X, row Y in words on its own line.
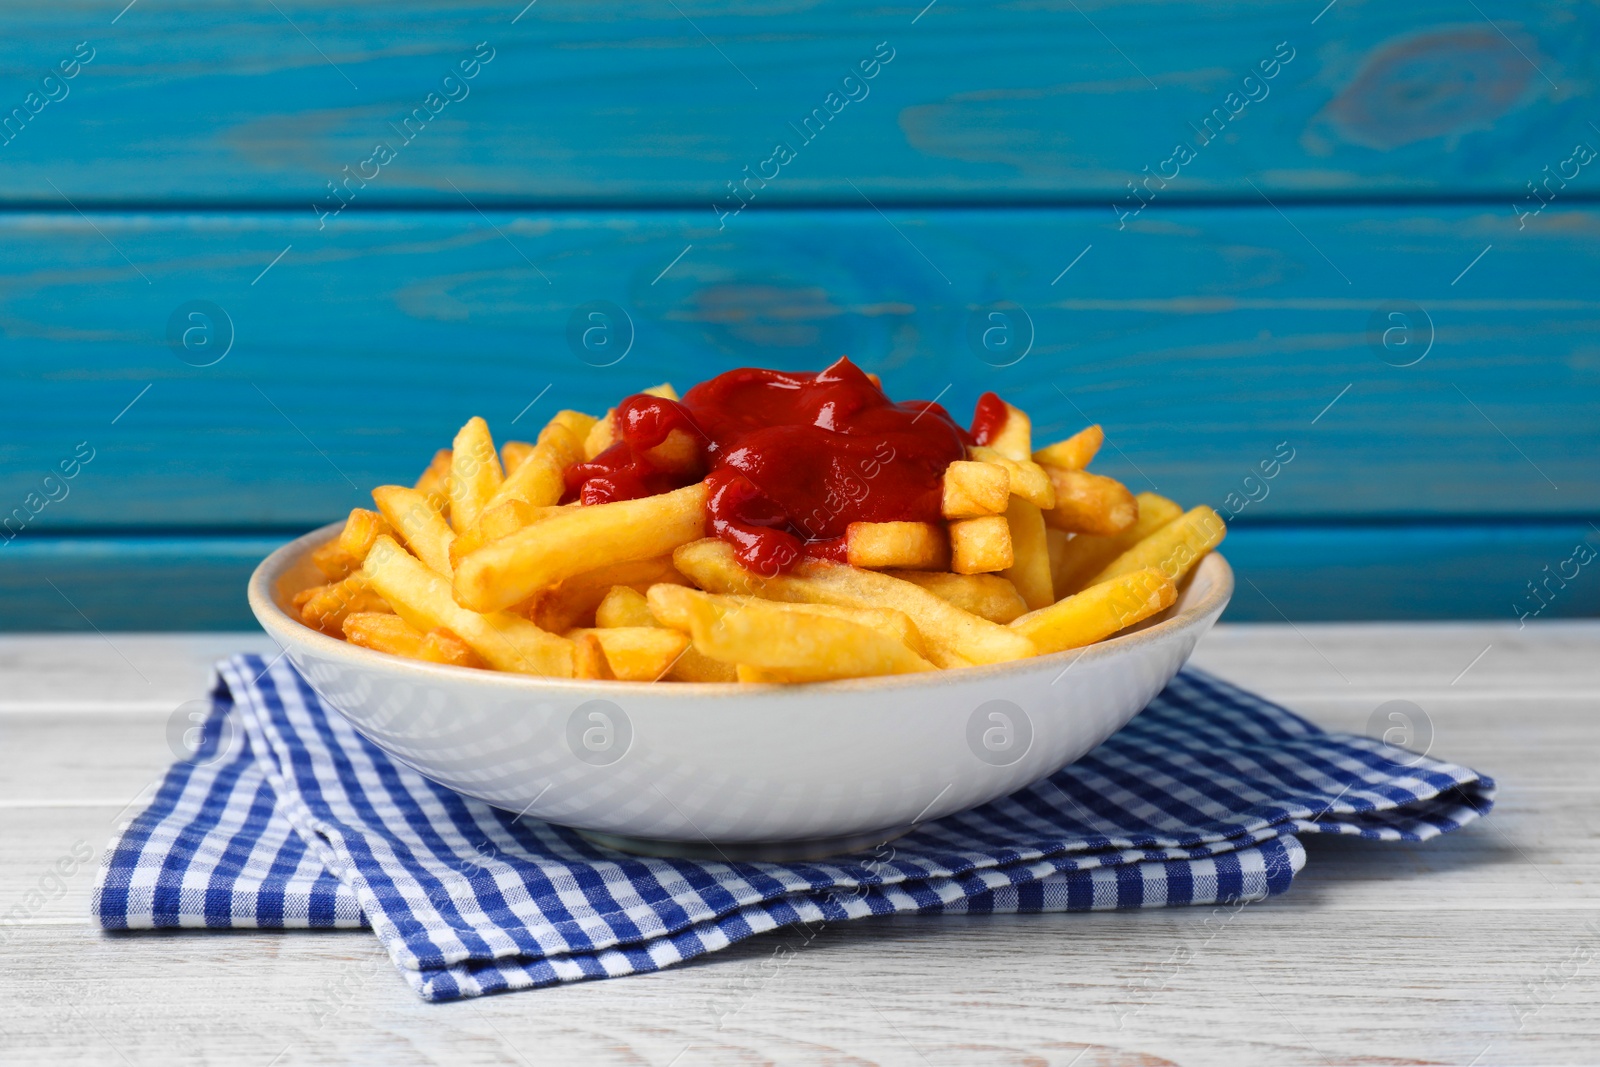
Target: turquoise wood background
column 1383, row 255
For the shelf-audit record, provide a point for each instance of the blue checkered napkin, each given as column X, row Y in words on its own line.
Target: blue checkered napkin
column 286, row 818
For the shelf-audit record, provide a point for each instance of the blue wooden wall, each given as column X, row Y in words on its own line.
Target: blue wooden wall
column 1368, row 231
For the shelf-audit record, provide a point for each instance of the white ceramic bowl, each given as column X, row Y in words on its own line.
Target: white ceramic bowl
column 736, row 770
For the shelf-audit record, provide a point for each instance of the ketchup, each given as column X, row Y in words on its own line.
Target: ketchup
column 988, row 419
column 790, row 460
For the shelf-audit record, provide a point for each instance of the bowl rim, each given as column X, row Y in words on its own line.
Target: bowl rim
column 279, row 624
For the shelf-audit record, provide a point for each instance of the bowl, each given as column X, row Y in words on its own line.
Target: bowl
column 738, row 771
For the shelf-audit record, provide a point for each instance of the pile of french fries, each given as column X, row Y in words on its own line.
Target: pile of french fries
column 480, row 565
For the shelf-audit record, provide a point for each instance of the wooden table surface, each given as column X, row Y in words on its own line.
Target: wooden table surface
column 1478, row 948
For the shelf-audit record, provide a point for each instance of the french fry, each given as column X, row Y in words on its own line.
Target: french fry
column 1079, row 557
column 911, row 545
column 973, row 489
column 436, row 478
column 623, row 605
column 981, row 545
column 601, row 436
column 325, row 607
column 1090, row 503
column 418, row 524
column 767, row 634
column 1074, row 453
column 1025, row 477
column 361, row 529
column 575, row 423
column 497, row 521
column 475, row 473
column 382, row 632
column 392, row 634
column 987, row 596
column 1030, row 566
column 638, row 653
column 536, row 557
column 441, row 646
column 1172, row 549
column 1015, row 438
column 514, row 454
column 1056, row 542
column 952, row 636
column 540, row 479
column 680, row 453
column 576, row 601
column 422, row 597
column 589, row 657
column 333, row 561
column 885, row 620
column 664, row 390
column 1098, row 612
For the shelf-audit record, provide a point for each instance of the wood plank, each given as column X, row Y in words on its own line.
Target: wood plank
column 621, row 102
column 1296, row 571
column 1400, row 987
column 405, row 324
column 1458, row 950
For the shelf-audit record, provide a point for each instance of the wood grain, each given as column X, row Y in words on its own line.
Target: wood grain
column 1201, row 339
column 625, row 102
column 1457, row 951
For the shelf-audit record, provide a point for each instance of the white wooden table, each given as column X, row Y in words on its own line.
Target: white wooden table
column 1480, row 948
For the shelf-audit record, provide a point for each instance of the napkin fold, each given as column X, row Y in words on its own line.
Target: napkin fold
column 286, row 818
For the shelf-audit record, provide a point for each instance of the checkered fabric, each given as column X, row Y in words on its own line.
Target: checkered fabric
column 286, row 818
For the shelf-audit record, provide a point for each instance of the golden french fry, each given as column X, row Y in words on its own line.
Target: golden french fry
column 361, row 529
column 1099, row 611
column 623, row 605
column 638, row 653
column 419, row 525
column 1075, row 453
column 987, row 596
column 576, row 601
column 589, row 657
column 333, row 561
column 767, row 634
column 382, row 632
column 1015, row 438
column 890, row 621
column 912, row 545
column 1090, row 503
column 1056, row 542
column 601, row 436
column 1173, row 549
column 475, row 473
column 540, row 478
column 536, row 557
column 439, row 645
column 497, row 521
column 436, row 479
column 1030, row 566
column 981, row 545
column 1025, row 477
column 1083, row 555
column 514, row 454
column 422, row 597
column 575, row 423
column 664, row 390
column 329, row 605
column 694, row 666
column 681, row 454
column 973, row 489
column 953, row 637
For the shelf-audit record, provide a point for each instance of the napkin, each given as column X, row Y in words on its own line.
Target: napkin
column 286, row 818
